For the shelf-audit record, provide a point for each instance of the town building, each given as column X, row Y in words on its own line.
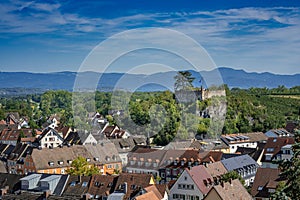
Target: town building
column 244, row 165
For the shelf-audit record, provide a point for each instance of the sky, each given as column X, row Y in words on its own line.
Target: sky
column 51, row 36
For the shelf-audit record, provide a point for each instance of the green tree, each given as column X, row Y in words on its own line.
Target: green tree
column 232, row 175
column 81, row 167
column 291, row 172
column 183, row 80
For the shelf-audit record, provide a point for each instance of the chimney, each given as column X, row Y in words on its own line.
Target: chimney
column 230, row 181
column 79, row 178
column 47, row 194
column 86, row 196
column 4, row 191
column 125, row 187
column 222, row 184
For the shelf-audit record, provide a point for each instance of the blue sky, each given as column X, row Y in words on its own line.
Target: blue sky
column 48, row 36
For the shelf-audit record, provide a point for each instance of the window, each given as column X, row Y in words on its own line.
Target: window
column 84, row 184
column 260, row 188
column 270, row 149
column 73, row 183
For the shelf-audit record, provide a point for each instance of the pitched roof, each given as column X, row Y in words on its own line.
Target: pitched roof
column 72, row 138
column 243, row 137
column 183, row 145
column 11, row 180
column 163, row 158
column 2, row 167
column 14, row 116
column 47, row 130
column 77, row 186
column 13, row 134
column 125, row 145
column 274, row 145
column 235, row 163
column 135, row 182
column 216, row 169
column 200, row 176
column 102, row 185
column 105, row 153
column 212, row 156
column 231, row 190
column 265, row 178
column 278, row 133
column 151, row 193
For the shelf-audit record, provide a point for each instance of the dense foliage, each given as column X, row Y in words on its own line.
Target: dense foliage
column 159, row 113
column 291, row 173
column 81, row 167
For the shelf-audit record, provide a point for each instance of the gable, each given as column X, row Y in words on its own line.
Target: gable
column 185, row 179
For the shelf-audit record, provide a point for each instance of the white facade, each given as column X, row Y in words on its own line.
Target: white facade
column 89, row 140
column 185, row 188
column 233, row 147
column 51, row 140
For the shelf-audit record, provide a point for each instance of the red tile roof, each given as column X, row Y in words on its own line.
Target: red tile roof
column 200, row 175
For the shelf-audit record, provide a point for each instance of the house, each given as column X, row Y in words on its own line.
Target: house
column 129, row 185
column 52, row 183
column 113, row 132
column 154, row 162
column 126, row 145
column 50, row 138
column 14, row 136
column 243, row 140
column 15, row 159
column 244, row 165
column 106, row 153
column 13, row 118
column 104, row 156
column 232, row 190
column 175, row 165
column 255, row 153
column 52, row 122
column 193, row 183
column 101, row 186
column 219, row 145
column 277, row 148
column 265, row 183
column 87, row 138
column 96, row 119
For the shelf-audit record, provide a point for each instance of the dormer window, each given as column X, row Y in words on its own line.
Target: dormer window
column 96, row 159
column 51, row 163
column 60, row 162
column 88, row 159
column 69, row 161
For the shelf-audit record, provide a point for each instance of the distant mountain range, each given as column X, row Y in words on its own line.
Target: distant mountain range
column 158, row 81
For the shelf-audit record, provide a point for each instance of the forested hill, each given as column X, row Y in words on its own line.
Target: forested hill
column 65, row 80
